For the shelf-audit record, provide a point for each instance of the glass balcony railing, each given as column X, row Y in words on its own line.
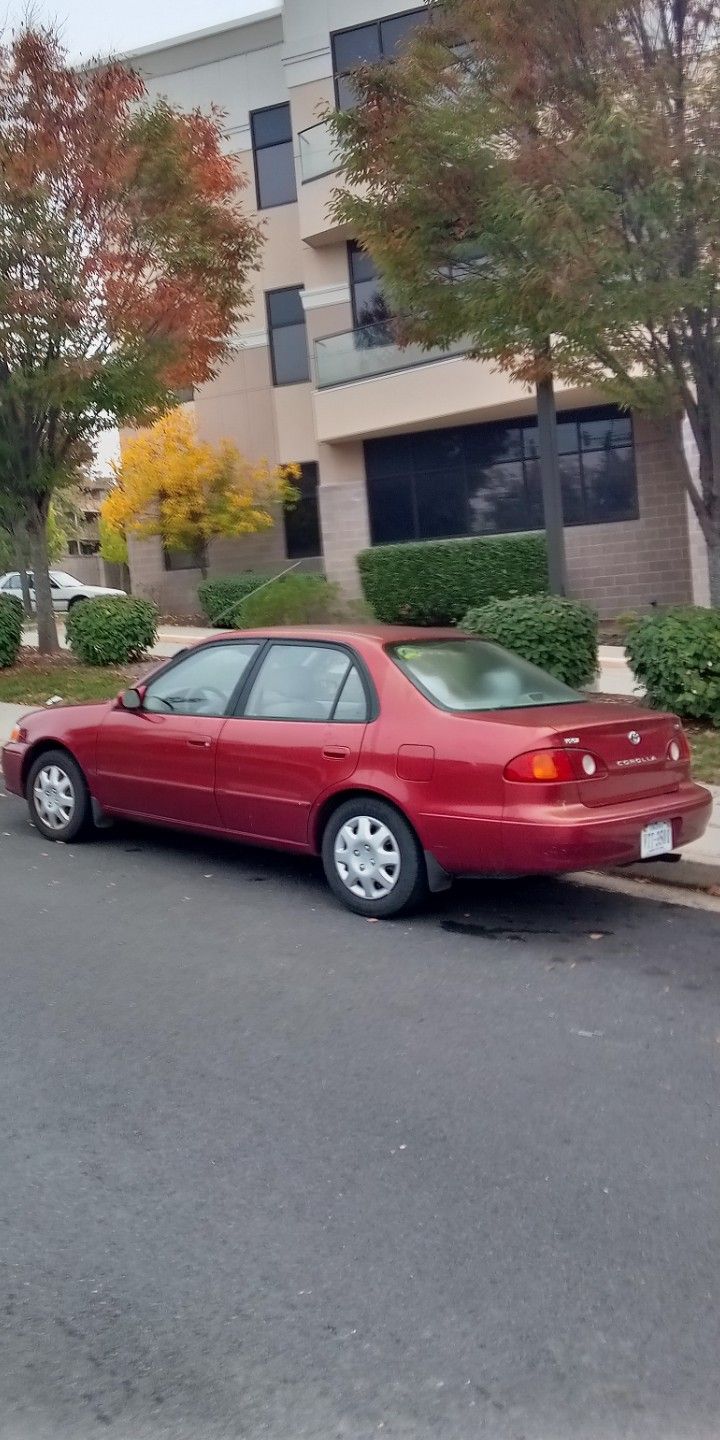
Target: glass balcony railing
column 318, row 155
column 371, row 350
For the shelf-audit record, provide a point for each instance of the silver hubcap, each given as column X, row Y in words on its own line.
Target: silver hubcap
column 367, row 857
column 54, row 797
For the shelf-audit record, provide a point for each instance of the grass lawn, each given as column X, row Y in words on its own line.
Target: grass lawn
column 35, row 678
column 706, row 753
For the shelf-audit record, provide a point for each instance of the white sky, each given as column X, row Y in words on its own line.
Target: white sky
column 91, row 27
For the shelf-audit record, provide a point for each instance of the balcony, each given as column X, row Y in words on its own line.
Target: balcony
column 407, row 390
column 318, row 167
column 318, row 155
column 369, row 351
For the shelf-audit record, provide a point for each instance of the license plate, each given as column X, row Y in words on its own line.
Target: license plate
column 656, row 839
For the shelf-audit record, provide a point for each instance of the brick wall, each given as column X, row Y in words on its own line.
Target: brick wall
column 633, row 564
column 175, row 591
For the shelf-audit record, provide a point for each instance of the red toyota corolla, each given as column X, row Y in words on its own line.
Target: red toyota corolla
column 403, row 757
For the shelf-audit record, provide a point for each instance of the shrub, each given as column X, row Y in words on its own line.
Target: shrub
column 676, row 656
column 111, row 631
column 292, row 600
column 561, row 636
column 11, row 623
column 436, row 583
column 218, row 597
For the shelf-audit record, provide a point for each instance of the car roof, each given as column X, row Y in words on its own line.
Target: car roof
column 345, row 634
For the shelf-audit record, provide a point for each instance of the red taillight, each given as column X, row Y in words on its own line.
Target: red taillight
column 554, row 767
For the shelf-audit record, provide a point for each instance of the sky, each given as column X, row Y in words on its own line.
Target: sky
column 91, row 27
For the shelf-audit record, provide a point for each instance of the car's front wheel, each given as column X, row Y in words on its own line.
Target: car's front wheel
column 58, row 796
column 372, row 859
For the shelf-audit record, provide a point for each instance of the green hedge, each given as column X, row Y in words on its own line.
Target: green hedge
column 111, row 631
column 218, row 597
column 561, row 636
column 436, row 583
column 11, row 623
column 676, row 656
column 293, row 600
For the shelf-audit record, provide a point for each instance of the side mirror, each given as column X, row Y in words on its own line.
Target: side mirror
column 130, row 699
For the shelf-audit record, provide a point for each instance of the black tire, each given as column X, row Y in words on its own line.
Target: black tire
column 79, row 600
column 375, row 861
column 71, row 783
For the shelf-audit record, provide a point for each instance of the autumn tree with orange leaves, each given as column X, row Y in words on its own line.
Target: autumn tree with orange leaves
column 125, row 264
column 172, row 484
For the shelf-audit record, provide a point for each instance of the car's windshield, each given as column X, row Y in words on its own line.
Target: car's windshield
column 61, row 578
column 469, row 675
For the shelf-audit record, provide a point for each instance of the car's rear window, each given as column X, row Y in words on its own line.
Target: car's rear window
column 476, row 675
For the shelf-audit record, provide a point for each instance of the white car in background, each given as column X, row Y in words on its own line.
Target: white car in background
column 66, row 590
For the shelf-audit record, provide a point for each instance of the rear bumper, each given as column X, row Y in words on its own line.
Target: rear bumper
column 569, row 838
column 600, row 840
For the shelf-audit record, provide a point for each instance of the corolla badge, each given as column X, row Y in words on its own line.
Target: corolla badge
column 633, row 737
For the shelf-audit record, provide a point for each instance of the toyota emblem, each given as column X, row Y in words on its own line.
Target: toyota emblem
column 633, row 737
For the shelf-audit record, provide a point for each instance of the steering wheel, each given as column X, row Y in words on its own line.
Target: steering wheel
column 207, row 695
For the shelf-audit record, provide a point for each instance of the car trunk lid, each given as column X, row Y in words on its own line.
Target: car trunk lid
column 632, row 750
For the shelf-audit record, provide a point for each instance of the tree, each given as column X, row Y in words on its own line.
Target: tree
column 113, row 544
column 124, row 266
column 596, row 124
column 172, row 484
column 436, row 191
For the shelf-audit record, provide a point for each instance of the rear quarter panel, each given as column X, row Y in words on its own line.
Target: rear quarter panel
column 463, row 783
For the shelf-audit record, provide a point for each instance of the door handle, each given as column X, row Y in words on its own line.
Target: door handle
column 202, row 740
column 336, row 752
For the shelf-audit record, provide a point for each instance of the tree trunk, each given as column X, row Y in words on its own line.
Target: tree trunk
column 21, row 562
column 714, row 571
column 551, row 488
column 37, row 534
column 201, row 558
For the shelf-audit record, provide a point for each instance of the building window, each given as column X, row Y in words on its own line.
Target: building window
column 485, row 479
column 73, row 547
column 273, row 154
column 366, row 44
column 370, row 309
column 302, row 521
column 288, row 340
column 180, row 560
column 89, row 547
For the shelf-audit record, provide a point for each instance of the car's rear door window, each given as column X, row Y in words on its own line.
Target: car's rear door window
column 307, row 682
column 471, row 675
column 202, row 683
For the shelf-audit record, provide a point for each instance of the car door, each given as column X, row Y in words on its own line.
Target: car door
column 11, row 586
column 298, row 735
column 158, row 762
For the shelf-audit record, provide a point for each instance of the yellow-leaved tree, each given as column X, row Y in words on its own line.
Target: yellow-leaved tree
column 172, row 484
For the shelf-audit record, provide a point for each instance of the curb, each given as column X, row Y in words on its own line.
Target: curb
column 685, row 874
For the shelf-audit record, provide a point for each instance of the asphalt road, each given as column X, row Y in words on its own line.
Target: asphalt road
column 269, row 1170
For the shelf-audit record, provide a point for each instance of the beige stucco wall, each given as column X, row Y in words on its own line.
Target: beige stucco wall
column 242, row 67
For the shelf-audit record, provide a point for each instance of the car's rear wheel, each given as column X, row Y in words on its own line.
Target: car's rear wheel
column 372, row 859
column 58, row 796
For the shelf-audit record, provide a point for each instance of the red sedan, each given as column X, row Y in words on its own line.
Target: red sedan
column 403, row 757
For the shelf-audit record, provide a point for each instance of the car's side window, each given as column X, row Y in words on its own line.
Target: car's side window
column 302, row 682
column 12, row 583
column 352, row 700
column 202, row 683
